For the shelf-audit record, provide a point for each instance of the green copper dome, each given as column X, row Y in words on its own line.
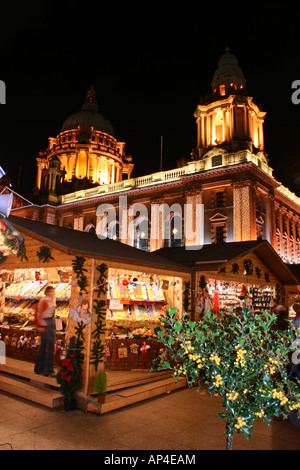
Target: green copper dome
column 90, row 115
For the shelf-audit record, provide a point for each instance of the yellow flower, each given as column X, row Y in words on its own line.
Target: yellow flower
column 260, row 413
column 215, row 358
column 280, row 396
column 218, row 381
column 240, row 423
column 240, row 359
column 296, row 406
column 232, row 395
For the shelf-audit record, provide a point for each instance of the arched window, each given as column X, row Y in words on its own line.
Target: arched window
column 114, row 231
column 175, row 230
column 142, row 235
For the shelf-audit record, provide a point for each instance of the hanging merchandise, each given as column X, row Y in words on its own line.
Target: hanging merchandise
column 136, row 302
column 122, row 351
column 21, row 342
column 233, row 295
column 134, row 348
column 208, row 305
column 107, row 351
column 243, row 292
column 144, row 348
column 23, row 290
column 216, row 302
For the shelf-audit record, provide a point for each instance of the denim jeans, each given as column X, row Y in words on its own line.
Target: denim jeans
column 45, row 358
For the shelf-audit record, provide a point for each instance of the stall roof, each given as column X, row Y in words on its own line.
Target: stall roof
column 83, row 243
column 214, row 256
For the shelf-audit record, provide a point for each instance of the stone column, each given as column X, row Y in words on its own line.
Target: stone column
column 156, row 232
column 78, row 221
column 225, row 125
column 193, row 218
column 244, row 223
column 270, row 222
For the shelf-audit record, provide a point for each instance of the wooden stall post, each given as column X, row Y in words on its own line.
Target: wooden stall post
column 78, row 292
column 98, row 327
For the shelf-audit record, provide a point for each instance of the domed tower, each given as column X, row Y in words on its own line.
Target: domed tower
column 88, row 152
column 228, row 79
column 229, row 119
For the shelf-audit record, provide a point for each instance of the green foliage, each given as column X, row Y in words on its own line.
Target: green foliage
column 79, row 270
column 248, row 264
column 11, row 241
column 97, row 352
column 44, row 253
column 69, row 376
column 242, row 358
column 258, row 272
column 235, row 268
column 100, row 383
column 22, row 251
column 186, row 296
column 202, row 282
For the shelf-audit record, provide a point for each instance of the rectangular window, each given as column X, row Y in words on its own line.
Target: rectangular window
column 220, row 233
column 216, row 160
column 220, row 199
column 222, row 90
column 219, row 133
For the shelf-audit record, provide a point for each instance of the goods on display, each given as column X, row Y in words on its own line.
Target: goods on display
column 135, row 297
column 21, row 289
column 135, row 304
column 231, row 295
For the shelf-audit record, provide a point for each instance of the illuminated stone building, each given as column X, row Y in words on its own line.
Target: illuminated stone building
column 85, row 154
column 228, row 172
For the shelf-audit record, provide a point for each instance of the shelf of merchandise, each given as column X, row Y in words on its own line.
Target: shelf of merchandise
column 18, row 329
column 262, row 298
column 21, row 297
column 138, row 303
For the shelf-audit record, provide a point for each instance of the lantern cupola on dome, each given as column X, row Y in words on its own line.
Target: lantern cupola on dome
column 228, row 79
column 89, row 116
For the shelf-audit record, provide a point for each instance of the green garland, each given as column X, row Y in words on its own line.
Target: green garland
column 12, row 242
column 202, row 282
column 97, row 352
column 44, row 254
column 186, row 296
column 258, row 272
column 248, row 264
column 235, row 268
column 79, row 270
column 69, row 376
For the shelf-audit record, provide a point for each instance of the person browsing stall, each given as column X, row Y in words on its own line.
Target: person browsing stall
column 46, row 312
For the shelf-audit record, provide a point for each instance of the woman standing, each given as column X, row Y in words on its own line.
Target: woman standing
column 46, row 312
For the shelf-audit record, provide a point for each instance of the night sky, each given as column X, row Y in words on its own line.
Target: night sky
column 149, row 67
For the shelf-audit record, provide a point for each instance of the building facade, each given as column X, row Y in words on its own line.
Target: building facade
column 84, row 154
column 228, row 175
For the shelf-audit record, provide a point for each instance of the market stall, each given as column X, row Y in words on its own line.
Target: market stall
column 229, row 276
column 135, row 303
column 135, row 288
column 292, row 292
column 21, row 290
